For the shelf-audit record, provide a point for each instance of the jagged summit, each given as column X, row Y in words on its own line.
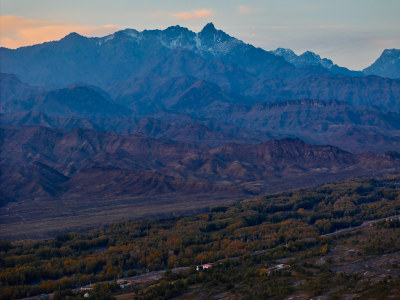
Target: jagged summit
column 209, row 28
column 312, row 58
column 391, row 54
column 130, row 31
column 209, row 31
column 286, row 53
column 308, row 58
column 125, row 33
column 209, row 41
column 215, row 41
column 177, row 37
column 72, row 36
column 176, row 28
column 311, row 55
column 387, row 65
column 177, row 31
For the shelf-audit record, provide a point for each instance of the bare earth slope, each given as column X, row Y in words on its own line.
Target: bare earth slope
column 53, row 178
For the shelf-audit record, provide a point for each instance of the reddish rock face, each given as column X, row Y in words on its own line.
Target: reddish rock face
column 44, row 162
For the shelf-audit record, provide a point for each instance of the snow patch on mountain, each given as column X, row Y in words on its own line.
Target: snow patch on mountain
column 308, row 58
column 133, row 34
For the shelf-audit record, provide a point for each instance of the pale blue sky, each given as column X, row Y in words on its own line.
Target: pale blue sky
column 353, row 33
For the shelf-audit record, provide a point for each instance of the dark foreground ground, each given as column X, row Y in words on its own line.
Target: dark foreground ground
column 337, row 241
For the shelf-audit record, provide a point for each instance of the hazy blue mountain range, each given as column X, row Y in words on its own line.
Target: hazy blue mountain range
column 175, row 51
column 210, row 55
column 189, row 109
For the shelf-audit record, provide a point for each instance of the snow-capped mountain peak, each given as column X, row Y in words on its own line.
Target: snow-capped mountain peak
column 214, row 41
column 387, row 65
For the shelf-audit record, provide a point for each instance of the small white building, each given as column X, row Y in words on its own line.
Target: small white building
column 203, row 267
column 276, row 268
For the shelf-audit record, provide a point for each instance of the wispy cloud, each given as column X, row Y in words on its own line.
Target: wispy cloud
column 244, row 10
column 345, row 27
column 195, row 14
column 385, row 42
column 17, row 31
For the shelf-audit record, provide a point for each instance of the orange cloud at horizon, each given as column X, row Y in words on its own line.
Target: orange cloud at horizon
column 17, row 31
column 196, row 14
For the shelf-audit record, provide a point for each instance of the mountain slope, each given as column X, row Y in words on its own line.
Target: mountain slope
column 75, row 100
column 135, row 165
column 387, row 65
column 152, row 94
column 11, row 88
column 29, row 181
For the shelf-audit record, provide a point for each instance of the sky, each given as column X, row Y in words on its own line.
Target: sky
column 353, row 33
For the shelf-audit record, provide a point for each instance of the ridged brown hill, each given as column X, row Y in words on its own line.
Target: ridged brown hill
column 51, row 163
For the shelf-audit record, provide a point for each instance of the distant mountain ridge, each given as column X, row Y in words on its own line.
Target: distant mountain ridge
column 127, row 51
column 210, row 55
column 387, row 65
column 309, row 58
column 213, row 43
column 188, row 109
